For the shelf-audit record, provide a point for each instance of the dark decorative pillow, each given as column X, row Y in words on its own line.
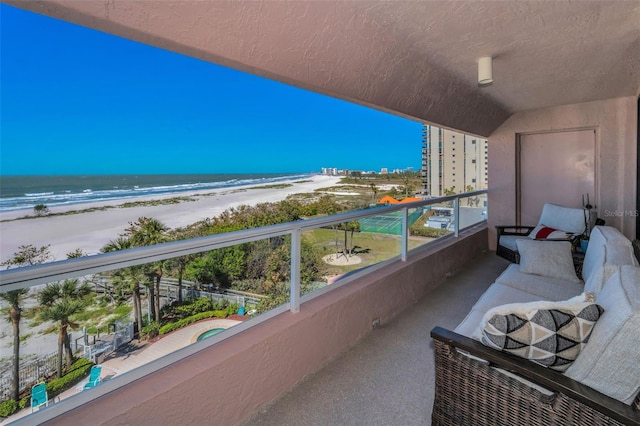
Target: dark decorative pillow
column 551, row 334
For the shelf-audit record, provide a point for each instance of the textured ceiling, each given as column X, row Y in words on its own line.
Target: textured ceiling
column 415, row 58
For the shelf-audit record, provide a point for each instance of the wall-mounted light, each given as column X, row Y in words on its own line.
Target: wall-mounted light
column 485, row 70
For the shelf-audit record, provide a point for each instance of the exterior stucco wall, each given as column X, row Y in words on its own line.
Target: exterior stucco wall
column 228, row 382
column 615, row 121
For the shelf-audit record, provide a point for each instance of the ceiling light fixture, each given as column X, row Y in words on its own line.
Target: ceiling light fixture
column 485, row 70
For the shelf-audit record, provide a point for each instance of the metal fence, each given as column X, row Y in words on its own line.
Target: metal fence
column 96, row 351
column 31, row 372
column 238, row 299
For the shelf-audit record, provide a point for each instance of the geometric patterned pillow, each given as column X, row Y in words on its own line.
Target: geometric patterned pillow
column 551, row 334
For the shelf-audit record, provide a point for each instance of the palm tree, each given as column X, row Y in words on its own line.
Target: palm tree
column 26, row 255
column 58, row 302
column 15, row 298
column 147, row 232
column 129, row 277
column 374, row 190
column 180, row 263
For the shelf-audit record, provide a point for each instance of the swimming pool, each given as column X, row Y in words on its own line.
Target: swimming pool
column 209, row 333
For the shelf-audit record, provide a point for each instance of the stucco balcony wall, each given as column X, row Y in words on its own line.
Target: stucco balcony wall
column 229, row 382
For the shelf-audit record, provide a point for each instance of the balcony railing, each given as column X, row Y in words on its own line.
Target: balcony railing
column 452, row 213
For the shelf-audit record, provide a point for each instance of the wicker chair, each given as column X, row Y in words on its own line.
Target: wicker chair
column 570, row 220
column 470, row 391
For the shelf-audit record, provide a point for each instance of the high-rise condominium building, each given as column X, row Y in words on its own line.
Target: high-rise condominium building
column 452, row 162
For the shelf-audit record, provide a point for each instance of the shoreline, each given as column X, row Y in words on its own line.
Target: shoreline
column 91, row 230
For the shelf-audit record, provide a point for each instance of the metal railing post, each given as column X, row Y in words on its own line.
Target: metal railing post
column 405, row 234
column 456, row 216
column 295, row 271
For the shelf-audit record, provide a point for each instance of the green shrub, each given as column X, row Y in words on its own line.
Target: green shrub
column 220, row 304
column 78, row 371
column 24, row 402
column 7, row 408
column 150, row 331
column 167, row 328
column 220, row 314
column 231, row 309
column 429, row 232
column 197, row 306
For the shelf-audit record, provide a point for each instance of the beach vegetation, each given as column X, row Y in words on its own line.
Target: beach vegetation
column 76, row 253
column 272, row 186
column 160, row 202
column 40, row 209
column 26, row 255
column 219, row 267
column 58, row 303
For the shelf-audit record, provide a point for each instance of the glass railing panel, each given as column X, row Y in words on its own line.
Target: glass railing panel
column 125, row 318
column 344, row 248
column 420, row 231
column 199, row 291
column 473, row 210
column 254, row 276
column 435, row 222
column 91, row 316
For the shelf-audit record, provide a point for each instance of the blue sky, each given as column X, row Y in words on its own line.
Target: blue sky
column 78, row 101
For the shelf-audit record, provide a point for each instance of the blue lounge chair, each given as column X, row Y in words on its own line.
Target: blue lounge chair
column 39, row 396
column 94, row 377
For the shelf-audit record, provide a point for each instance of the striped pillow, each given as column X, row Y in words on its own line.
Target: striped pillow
column 542, row 232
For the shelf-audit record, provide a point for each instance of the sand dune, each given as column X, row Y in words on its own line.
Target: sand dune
column 92, row 230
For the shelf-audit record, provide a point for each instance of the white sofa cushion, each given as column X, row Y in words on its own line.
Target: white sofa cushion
column 512, row 286
column 496, row 295
column 566, row 219
column 547, row 258
column 509, row 241
column 607, row 249
column 610, row 234
column 469, row 325
column 539, row 287
column 610, row 363
column 614, row 255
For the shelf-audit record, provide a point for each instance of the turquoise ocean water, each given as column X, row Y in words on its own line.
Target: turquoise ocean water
column 25, row 192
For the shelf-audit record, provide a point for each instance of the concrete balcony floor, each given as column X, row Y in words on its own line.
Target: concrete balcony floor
column 388, row 377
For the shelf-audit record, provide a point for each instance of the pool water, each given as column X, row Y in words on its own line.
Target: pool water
column 209, row 333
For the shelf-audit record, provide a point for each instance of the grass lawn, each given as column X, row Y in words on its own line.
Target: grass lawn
column 371, row 247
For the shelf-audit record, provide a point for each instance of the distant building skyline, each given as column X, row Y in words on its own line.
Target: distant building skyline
column 452, row 161
column 334, row 171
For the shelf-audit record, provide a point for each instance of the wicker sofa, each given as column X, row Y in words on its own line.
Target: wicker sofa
column 479, row 385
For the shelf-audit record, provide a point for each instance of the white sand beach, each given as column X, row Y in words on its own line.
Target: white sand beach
column 90, row 231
